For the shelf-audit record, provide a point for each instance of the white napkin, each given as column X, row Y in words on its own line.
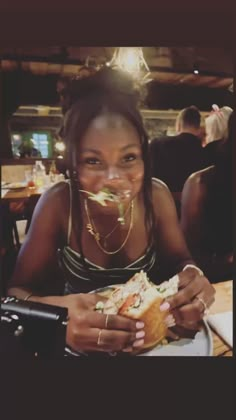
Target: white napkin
column 222, row 323
column 4, row 192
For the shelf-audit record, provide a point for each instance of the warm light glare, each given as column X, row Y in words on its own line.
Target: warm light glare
column 129, row 60
column 60, row 146
column 132, row 61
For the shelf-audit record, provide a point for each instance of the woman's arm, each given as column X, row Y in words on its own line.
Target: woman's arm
column 37, row 259
column 87, row 329
column 195, row 292
column 172, row 249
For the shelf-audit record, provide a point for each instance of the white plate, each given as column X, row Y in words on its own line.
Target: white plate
column 17, row 185
column 200, row 345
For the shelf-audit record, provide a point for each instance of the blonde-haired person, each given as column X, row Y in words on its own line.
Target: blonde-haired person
column 216, row 132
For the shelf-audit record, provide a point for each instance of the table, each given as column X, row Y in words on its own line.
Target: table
column 19, row 204
column 223, row 303
column 22, row 194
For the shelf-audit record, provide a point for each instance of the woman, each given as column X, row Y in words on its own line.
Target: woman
column 207, row 214
column 107, row 147
column 216, row 132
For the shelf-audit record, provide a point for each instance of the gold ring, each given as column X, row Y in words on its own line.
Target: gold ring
column 99, row 338
column 106, row 322
column 204, row 304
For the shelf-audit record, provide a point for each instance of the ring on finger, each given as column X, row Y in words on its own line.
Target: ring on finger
column 99, row 341
column 205, row 308
column 106, row 322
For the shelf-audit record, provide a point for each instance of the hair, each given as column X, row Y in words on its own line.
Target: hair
column 217, row 123
column 224, row 164
column 190, row 117
column 220, row 196
column 107, row 91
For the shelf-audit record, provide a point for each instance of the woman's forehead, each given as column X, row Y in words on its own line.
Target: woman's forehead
column 109, row 129
column 110, row 120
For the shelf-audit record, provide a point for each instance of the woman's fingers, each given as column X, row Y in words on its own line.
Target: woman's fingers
column 188, row 306
column 94, row 331
column 193, row 311
column 185, row 277
column 112, row 340
column 106, row 340
column 189, row 313
column 186, row 330
column 110, row 322
column 188, row 293
column 118, row 322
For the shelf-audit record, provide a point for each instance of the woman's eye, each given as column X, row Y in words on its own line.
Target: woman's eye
column 130, row 158
column 92, row 161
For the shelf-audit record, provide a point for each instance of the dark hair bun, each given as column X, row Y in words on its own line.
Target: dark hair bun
column 105, row 82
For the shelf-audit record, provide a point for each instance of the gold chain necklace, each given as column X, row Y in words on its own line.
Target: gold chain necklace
column 104, row 237
column 96, row 234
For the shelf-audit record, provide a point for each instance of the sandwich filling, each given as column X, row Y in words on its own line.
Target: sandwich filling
column 106, row 195
column 138, row 292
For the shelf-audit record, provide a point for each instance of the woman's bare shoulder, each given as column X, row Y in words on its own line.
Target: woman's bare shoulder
column 52, row 210
column 58, row 192
column 54, row 201
column 202, row 177
column 161, row 198
column 197, row 186
column 159, row 189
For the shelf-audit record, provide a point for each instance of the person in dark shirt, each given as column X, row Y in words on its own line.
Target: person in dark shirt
column 174, row 158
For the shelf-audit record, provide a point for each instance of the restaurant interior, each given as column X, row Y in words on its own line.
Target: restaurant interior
column 33, row 158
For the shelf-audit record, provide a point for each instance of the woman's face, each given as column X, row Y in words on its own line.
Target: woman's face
column 110, row 157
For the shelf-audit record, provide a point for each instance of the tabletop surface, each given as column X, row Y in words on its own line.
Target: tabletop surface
column 223, row 303
column 21, row 193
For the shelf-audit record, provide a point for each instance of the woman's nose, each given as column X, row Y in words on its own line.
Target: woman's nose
column 112, row 174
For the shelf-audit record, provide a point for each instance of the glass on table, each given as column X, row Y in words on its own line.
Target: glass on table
column 30, row 178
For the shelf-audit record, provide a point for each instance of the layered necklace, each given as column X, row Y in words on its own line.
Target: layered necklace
column 91, row 228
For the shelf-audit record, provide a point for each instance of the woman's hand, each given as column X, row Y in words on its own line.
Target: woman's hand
column 89, row 330
column 195, row 295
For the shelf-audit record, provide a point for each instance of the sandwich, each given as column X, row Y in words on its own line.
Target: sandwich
column 140, row 299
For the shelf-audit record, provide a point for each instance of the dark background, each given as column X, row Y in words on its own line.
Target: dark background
column 176, row 389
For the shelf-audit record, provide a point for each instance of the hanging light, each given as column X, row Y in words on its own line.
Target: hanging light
column 131, row 59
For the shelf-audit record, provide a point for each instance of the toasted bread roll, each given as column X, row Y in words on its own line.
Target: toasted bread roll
column 140, row 299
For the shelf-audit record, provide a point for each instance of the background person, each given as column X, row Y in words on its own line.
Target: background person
column 216, row 132
column 174, row 158
column 207, row 213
